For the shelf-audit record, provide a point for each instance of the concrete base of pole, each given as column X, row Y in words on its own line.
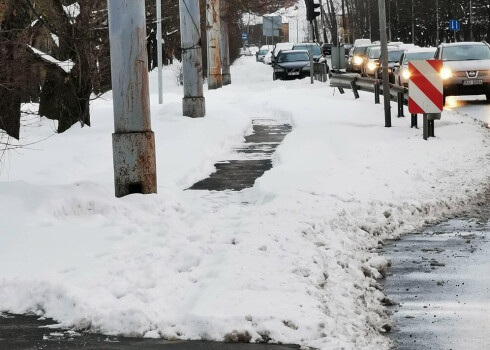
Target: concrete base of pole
column 226, row 79
column 134, row 163
column 194, row 107
column 215, row 81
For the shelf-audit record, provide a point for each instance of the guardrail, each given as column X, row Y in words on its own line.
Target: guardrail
column 357, row 83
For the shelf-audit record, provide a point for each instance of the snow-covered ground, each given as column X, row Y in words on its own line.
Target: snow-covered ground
column 291, row 259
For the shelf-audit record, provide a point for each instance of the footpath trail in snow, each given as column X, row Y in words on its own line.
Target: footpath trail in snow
column 292, row 259
column 254, row 159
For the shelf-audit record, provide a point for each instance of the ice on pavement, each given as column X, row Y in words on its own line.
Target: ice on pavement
column 285, row 260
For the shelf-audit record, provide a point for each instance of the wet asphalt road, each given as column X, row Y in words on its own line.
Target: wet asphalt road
column 441, row 282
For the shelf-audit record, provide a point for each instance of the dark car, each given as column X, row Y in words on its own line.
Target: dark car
column 357, row 56
column 394, row 56
column 327, row 49
column 317, row 51
column 291, row 64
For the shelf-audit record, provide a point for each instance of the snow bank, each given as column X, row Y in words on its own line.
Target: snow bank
column 291, row 260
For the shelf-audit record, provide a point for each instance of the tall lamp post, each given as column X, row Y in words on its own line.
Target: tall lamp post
column 384, row 62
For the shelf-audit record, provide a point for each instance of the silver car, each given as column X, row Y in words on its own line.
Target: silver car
column 466, row 68
column 401, row 70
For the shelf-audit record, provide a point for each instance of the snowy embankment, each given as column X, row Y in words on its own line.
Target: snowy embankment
column 290, row 260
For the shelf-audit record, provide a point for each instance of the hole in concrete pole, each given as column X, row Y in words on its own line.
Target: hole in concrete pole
column 135, row 187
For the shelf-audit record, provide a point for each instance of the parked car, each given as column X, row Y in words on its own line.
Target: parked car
column 466, row 68
column 317, row 51
column 270, row 57
column 357, row 56
column 400, row 71
column 394, row 55
column 260, row 55
column 291, row 64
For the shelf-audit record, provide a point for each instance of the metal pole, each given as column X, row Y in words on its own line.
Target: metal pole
column 312, row 67
column 471, row 22
column 133, row 141
column 437, row 22
column 190, row 32
column 322, row 19
column 425, row 130
column 384, row 60
column 413, row 23
column 225, row 46
column 215, row 79
column 159, row 51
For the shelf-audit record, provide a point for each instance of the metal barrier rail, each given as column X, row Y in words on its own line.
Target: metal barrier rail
column 357, row 83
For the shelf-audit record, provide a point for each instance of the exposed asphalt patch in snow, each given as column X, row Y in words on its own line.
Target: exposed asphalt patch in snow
column 253, row 159
column 33, row 332
column 439, row 285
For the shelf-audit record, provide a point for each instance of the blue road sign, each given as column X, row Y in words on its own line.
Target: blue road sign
column 244, row 36
column 454, row 24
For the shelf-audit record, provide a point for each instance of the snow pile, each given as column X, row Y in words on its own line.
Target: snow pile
column 291, row 260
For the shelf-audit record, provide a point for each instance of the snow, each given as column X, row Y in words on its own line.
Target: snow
column 67, row 65
column 293, row 258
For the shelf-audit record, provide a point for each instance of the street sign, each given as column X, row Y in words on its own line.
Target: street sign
column 425, row 87
column 244, row 36
column 271, row 25
column 454, row 24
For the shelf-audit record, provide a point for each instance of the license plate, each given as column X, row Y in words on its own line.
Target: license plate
column 473, row 82
column 294, row 73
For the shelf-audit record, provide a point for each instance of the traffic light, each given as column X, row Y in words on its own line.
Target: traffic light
column 312, row 10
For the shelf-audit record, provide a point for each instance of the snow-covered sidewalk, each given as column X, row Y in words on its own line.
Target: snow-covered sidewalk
column 290, row 260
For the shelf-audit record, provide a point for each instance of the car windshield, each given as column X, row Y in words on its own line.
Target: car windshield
column 375, row 53
column 316, row 49
column 293, row 57
column 360, row 51
column 394, row 56
column 412, row 56
column 465, row 53
column 263, row 52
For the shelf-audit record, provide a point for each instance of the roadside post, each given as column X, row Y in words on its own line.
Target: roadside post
column 454, row 25
column 425, row 93
column 384, row 62
column 193, row 103
column 376, row 92
column 312, row 68
column 133, row 140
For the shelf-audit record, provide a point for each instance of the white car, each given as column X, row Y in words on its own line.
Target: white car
column 401, row 70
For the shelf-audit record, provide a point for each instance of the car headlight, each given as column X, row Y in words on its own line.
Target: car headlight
column 371, row 66
column 446, row 73
column 358, row 60
column 406, row 74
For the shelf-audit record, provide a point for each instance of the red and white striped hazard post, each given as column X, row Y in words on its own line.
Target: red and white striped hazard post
column 425, row 92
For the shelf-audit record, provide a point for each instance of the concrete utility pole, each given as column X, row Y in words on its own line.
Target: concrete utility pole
column 215, row 79
column 190, row 32
column 384, row 62
column 133, row 141
column 225, row 46
column 159, row 51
